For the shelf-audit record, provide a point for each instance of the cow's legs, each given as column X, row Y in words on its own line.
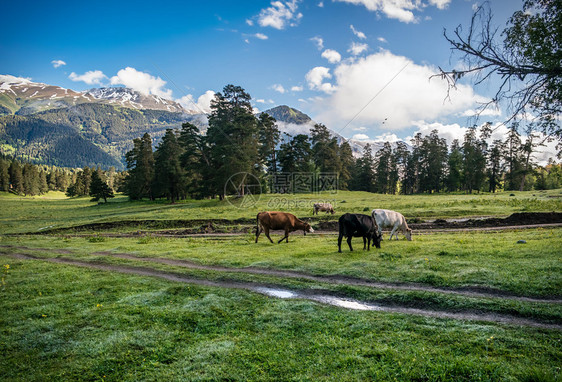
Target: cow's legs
column 339, row 242
column 258, row 231
column 349, row 243
column 393, row 232
column 364, row 243
column 266, row 231
column 285, row 237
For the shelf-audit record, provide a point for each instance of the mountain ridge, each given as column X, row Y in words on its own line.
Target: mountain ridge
column 48, row 124
column 22, row 96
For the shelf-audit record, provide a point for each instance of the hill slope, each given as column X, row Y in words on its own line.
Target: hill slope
column 87, row 134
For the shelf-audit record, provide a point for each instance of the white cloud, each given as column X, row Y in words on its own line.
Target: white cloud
column 261, row 36
column 141, row 82
column 318, row 41
column 278, row 88
column 332, row 56
column 297, row 89
column 203, row 104
column 387, row 137
column 402, row 10
column 58, row 63
column 249, row 22
column 382, row 39
column 280, row 14
column 359, row 34
column 357, row 48
column 92, row 77
column 321, row 4
column 315, row 79
column 269, row 101
column 360, row 137
column 385, row 88
column 394, row 9
column 441, row 4
column 488, row 112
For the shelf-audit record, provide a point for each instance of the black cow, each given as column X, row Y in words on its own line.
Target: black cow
column 358, row 225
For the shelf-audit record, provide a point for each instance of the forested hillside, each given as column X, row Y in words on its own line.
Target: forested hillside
column 83, row 135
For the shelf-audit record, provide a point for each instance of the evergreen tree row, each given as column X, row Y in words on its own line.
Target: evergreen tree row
column 472, row 165
column 29, row 180
column 240, row 149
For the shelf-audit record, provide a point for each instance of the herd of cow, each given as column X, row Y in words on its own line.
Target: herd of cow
column 350, row 225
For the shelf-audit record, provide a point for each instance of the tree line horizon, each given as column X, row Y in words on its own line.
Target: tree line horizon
column 187, row 164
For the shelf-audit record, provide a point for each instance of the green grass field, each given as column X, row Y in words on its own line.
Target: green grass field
column 20, row 215
column 66, row 322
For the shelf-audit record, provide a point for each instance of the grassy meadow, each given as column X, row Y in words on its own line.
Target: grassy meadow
column 29, row 215
column 64, row 322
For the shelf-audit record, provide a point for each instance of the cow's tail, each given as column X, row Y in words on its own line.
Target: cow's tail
column 257, row 223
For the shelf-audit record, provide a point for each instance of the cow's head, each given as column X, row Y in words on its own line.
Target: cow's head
column 377, row 238
column 409, row 234
column 307, row 228
column 332, row 211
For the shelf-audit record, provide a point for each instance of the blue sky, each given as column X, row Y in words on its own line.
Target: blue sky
column 327, row 58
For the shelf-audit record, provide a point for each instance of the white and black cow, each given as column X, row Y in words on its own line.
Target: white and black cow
column 391, row 219
column 358, row 225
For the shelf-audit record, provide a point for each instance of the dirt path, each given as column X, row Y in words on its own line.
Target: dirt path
column 309, row 294
column 181, row 233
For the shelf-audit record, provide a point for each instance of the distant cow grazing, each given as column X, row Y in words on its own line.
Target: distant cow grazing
column 323, row 207
column 272, row 220
column 388, row 219
column 358, row 225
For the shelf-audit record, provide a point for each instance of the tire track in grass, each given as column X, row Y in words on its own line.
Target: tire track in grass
column 339, row 280
column 474, row 292
column 285, row 293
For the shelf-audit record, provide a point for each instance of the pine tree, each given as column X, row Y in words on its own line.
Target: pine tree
column 4, row 175
column 269, row 137
column 99, row 187
column 295, row 155
column 169, row 179
column 347, row 165
column 16, row 177
column 474, row 161
column 454, row 167
column 324, row 150
column 193, row 159
column 400, row 157
column 433, row 160
column 365, row 174
column 383, row 163
column 43, row 186
column 513, row 159
column 140, row 163
column 494, row 166
column 232, row 142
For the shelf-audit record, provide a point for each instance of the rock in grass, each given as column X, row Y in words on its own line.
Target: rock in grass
column 521, row 242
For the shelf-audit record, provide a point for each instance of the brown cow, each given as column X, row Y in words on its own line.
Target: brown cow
column 279, row 220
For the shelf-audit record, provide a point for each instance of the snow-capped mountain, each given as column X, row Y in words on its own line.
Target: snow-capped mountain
column 133, row 99
column 22, row 96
